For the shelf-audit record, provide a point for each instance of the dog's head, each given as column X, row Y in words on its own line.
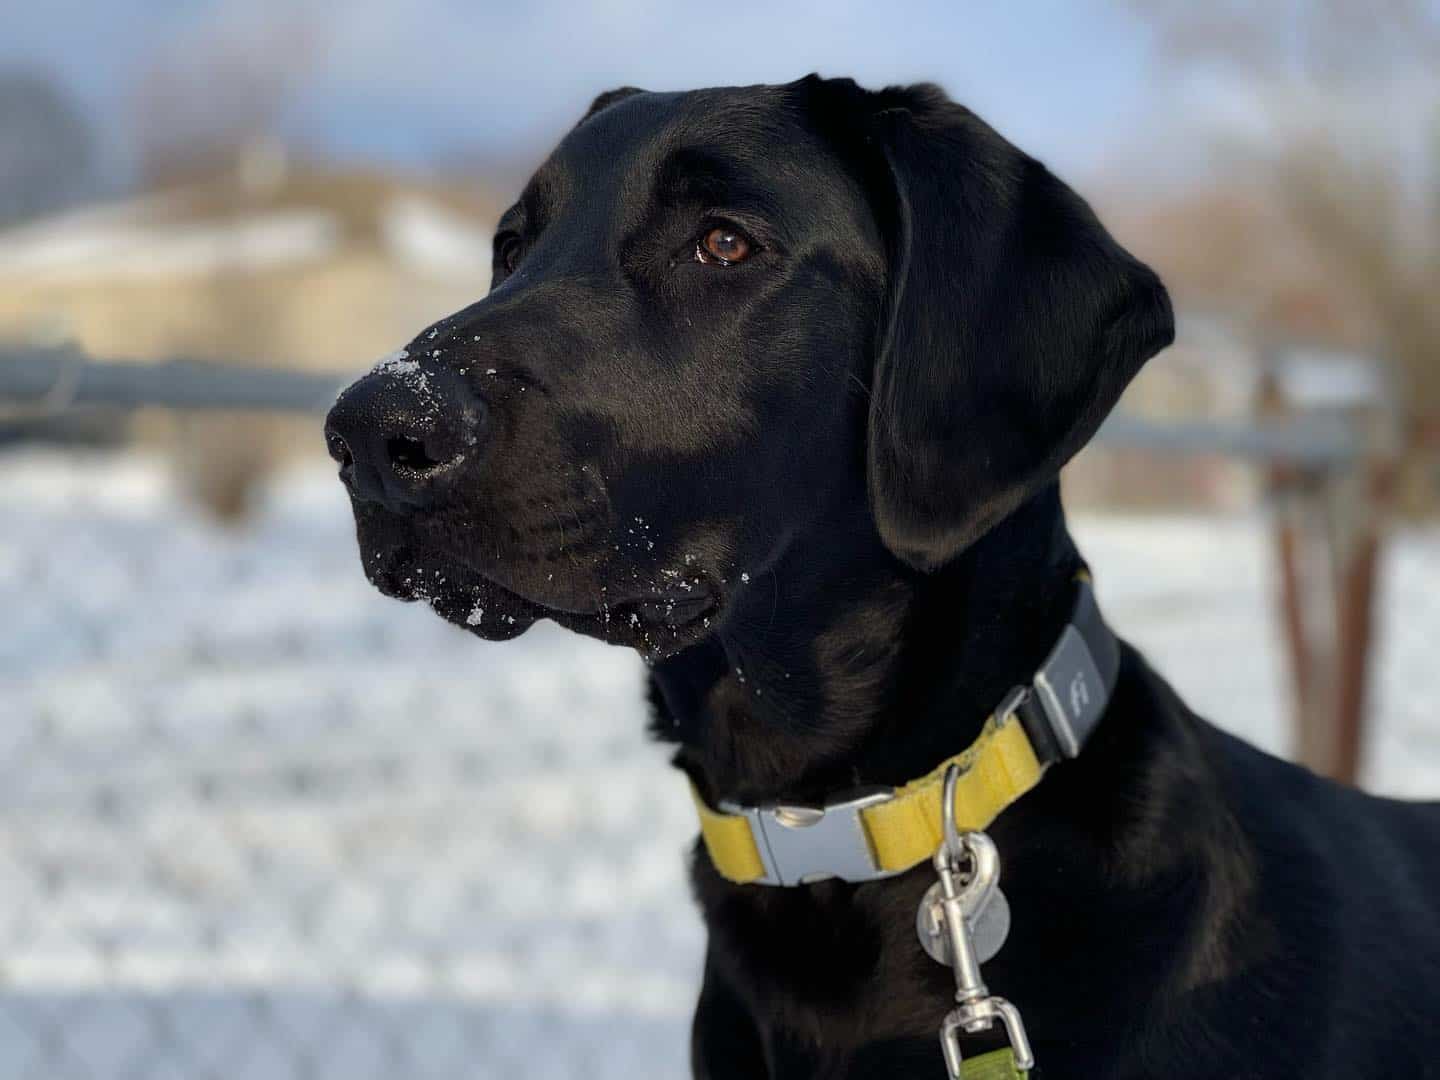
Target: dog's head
column 716, row 317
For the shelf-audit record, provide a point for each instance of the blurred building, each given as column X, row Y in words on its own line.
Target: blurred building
column 277, row 265
column 1209, row 374
column 1239, row 249
column 273, row 264
column 1260, row 308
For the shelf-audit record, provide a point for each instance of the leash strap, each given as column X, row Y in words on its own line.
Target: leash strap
column 876, row 833
column 996, row 1065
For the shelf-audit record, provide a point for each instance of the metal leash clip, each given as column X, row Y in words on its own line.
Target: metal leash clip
column 962, row 922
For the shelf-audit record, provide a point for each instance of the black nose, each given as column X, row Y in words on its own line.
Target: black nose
column 400, row 431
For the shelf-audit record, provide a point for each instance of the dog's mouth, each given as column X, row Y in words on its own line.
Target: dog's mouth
column 657, row 623
column 671, row 610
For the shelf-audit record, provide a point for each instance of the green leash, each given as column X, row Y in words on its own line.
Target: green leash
column 996, row 1065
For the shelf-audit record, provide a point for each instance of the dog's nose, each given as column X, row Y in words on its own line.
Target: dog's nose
column 400, row 430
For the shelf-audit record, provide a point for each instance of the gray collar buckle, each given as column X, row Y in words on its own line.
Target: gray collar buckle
column 799, row 844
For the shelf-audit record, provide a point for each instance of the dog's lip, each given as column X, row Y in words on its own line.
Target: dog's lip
column 673, row 609
column 657, row 621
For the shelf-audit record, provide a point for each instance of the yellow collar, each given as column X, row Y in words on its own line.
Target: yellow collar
column 875, row 833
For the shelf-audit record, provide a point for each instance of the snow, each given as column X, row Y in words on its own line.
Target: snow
column 1322, row 379
column 400, row 364
column 396, row 363
column 257, row 821
column 86, row 247
column 427, row 237
column 136, row 239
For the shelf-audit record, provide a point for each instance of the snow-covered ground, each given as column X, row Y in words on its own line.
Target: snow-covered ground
column 257, row 821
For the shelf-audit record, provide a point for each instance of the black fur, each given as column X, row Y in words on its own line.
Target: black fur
column 817, row 490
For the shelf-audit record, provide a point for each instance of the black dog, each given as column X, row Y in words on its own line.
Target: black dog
column 773, row 384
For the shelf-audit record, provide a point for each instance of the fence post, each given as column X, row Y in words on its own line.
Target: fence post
column 1358, row 529
column 1330, row 523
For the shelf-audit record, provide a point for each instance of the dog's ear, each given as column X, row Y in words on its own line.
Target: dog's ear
column 608, row 98
column 1014, row 321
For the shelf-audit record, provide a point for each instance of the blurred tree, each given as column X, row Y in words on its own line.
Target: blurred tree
column 209, row 99
column 1342, row 104
column 1345, row 101
column 208, row 114
column 47, row 148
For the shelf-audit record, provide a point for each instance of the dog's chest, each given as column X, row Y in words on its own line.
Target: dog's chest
column 832, row 962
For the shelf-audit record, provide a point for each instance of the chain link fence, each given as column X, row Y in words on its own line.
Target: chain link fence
column 257, row 821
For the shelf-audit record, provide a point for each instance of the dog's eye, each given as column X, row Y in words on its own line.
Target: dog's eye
column 723, row 246
column 509, row 253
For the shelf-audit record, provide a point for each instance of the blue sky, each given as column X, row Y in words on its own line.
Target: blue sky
column 408, row 82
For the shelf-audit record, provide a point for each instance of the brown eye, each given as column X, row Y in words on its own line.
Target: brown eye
column 510, row 254
column 724, row 245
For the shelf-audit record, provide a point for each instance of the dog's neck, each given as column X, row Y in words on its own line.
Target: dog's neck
column 875, row 674
column 855, row 669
